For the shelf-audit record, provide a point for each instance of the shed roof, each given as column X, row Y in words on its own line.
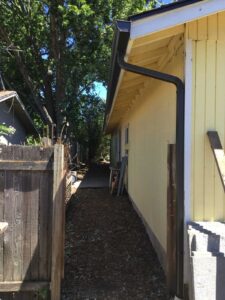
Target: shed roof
column 19, row 110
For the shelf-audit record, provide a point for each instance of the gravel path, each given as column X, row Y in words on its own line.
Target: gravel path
column 107, row 252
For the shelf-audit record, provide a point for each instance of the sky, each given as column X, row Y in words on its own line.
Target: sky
column 100, row 90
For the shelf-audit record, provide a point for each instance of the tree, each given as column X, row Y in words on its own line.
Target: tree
column 52, row 52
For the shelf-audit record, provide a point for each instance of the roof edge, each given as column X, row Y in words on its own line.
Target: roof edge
column 120, row 42
column 25, row 117
column 162, row 9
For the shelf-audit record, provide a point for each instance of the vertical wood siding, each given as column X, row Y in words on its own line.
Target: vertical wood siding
column 208, row 113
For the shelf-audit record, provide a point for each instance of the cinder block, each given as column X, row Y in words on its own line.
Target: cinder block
column 207, row 248
column 208, row 277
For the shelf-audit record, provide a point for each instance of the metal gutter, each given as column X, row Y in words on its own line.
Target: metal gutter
column 180, row 101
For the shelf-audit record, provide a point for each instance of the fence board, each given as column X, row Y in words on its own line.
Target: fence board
column 26, row 225
column 17, row 227
column 34, row 209
column 45, row 226
column 57, row 228
column 2, row 186
column 16, row 286
column 9, row 204
column 26, row 165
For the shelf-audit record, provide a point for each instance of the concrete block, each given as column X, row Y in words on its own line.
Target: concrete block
column 207, row 259
column 208, row 277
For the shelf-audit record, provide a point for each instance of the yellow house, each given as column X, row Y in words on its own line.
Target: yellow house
column 167, row 87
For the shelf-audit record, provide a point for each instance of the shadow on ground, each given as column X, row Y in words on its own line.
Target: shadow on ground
column 107, row 252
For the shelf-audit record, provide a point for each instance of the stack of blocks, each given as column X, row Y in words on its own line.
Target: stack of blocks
column 207, row 249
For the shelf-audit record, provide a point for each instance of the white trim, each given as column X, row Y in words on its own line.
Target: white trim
column 151, row 24
column 187, row 130
column 187, row 151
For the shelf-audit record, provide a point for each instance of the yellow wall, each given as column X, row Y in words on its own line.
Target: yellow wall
column 151, row 128
column 208, row 113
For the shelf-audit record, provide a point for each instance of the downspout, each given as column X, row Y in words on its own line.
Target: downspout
column 179, row 157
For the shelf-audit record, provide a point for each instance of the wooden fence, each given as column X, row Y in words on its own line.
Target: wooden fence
column 32, row 188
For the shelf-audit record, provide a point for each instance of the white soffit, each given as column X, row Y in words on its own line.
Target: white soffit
column 161, row 21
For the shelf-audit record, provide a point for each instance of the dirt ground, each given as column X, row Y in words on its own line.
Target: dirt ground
column 107, row 252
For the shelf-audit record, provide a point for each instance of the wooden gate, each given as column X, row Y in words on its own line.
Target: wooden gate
column 32, row 181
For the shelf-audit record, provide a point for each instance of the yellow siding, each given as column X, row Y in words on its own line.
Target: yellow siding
column 151, row 128
column 208, row 113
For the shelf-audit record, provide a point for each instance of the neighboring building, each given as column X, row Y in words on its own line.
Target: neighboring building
column 13, row 114
column 185, row 43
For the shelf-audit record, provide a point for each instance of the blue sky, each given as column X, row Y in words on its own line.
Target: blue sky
column 100, row 90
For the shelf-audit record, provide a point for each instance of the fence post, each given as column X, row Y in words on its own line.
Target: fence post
column 57, row 221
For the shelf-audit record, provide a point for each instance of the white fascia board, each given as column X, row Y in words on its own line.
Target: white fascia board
column 175, row 17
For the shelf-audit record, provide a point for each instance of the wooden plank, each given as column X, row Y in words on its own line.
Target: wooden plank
column 202, row 29
column 47, row 153
column 210, row 99
column 154, row 37
column 63, row 223
column 50, row 216
column 146, row 55
column 221, row 26
column 193, row 30
column 213, row 27
column 13, row 165
column 17, row 227
column 218, row 153
column 27, row 196
column 25, row 286
column 2, row 188
column 8, row 235
column 45, row 225
column 34, row 228
column 171, row 218
column 58, row 208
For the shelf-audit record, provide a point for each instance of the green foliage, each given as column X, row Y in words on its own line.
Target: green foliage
column 6, row 130
column 52, row 53
column 43, row 293
column 32, row 141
